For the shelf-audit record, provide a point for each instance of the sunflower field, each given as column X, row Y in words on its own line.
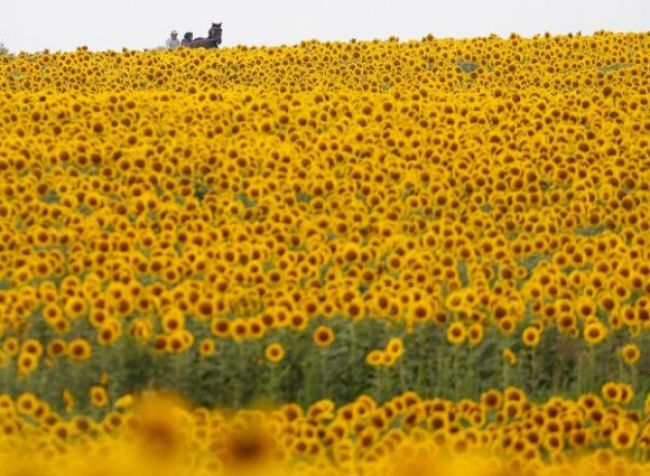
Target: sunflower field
column 373, row 257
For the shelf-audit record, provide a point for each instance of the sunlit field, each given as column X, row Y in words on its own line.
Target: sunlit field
column 401, row 258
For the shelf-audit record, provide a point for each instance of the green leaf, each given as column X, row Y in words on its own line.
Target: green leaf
column 246, row 200
column 303, row 197
column 467, row 66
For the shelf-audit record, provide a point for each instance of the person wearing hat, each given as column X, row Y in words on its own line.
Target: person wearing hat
column 187, row 39
column 173, row 41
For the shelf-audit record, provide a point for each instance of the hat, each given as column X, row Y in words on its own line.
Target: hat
column 174, row 32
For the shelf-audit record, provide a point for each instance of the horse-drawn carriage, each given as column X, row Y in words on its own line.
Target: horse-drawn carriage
column 212, row 41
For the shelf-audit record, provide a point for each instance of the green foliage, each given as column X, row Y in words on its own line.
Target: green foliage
column 303, row 197
column 246, row 200
column 51, row 198
column 238, row 375
column 201, row 191
column 467, row 66
column 591, row 230
column 610, row 68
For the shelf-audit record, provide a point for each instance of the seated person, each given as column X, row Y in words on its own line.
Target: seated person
column 187, row 39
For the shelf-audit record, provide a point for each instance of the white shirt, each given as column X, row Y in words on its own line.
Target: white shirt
column 173, row 43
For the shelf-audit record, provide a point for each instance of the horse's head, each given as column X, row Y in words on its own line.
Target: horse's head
column 215, row 31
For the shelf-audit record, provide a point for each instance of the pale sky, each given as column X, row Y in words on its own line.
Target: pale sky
column 32, row 25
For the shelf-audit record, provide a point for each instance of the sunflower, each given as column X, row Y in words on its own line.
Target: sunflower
column 108, row 334
column 323, row 337
column 205, row 308
column 491, row 399
column 68, row 401
column 580, row 438
column 509, row 356
column 206, row 347
column 531, row 336
column 11, row 346
column 420, row 311
column 388, row 359
column 79, row 350
column 624, row 438
column 98, row 317
column 566, row 322
column 32, row 346
column 220, row 327
column 27, row 363
column 507, row 325
column 456, row 333
column 51, row 312
column 98, row 396
column 554, row 443
column 161, row 344
column 239, row 329
column 249, row 448
column 173, row 320
column 256, row 328
column 82, row 424
column 595, row 332
column 589, row 401
column 26, row 403
column 124, row 401
column 177, row 342
column 475, row 334
column 627, row 393
column 75, row 307
column 630, row 354
column 274, row 353
column 375, row 358
column 514, row 394
column 395, row 347
column 355, row 309
column 611, row 392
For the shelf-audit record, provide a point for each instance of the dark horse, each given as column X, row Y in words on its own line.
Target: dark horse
column 212, row 41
